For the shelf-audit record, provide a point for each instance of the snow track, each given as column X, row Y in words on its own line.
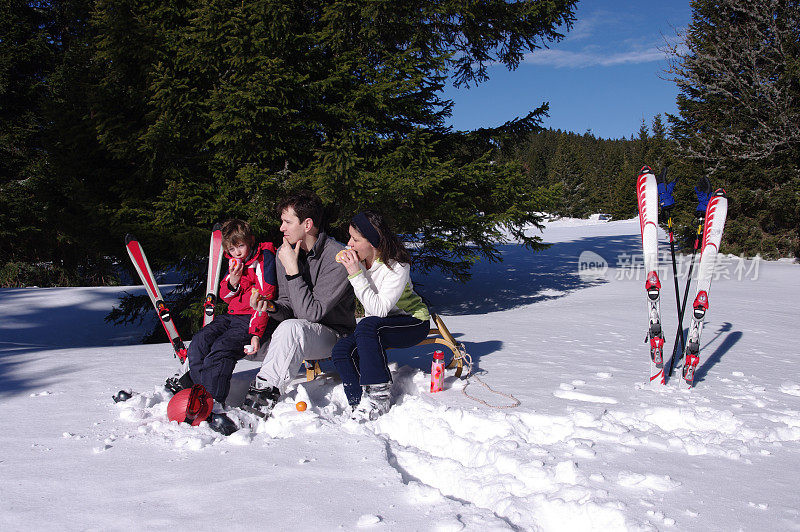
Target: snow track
column 498, row 462
column 533, row 471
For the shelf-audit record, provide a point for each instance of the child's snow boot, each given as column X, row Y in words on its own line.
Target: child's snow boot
column 177, row 383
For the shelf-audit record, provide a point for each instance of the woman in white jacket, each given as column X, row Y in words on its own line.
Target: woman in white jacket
column 379, row 269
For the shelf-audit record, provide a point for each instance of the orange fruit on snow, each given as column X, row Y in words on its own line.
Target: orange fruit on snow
column 301, row 405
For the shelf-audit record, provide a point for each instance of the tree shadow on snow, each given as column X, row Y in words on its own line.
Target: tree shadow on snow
column 726, row 345
column 524, row 277
column 69, row 317
column 34, row 320
column 420, row 357
column 12, row 358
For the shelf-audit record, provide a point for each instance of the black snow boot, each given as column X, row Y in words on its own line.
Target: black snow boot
column 177, row 383
column 222, row 424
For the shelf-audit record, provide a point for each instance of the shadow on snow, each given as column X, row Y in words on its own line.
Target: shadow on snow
column 524, row 277
column 730, row 340
column 14, row 356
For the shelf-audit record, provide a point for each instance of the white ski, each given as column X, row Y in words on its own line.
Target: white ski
column 716, row 214
column 647, row 195
column 214, row 269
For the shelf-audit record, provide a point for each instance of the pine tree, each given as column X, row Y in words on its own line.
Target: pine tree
column 736, row 68
column 26, row 58
column 218, row 109
column 54, row 178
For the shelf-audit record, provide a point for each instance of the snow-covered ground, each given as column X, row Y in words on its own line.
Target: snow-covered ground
column 591, row 447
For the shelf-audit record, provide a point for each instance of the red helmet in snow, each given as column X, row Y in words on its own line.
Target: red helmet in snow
column 192, row 405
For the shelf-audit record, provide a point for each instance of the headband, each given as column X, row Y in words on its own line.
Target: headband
column 362, row 223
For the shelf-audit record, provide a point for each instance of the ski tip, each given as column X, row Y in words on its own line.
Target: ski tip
column 217, row 227
column 645, row 170
column 129, row 238
column 662, row 175
column 720, row 192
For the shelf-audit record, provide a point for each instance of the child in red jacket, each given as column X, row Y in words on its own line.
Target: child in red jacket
column 217, row 347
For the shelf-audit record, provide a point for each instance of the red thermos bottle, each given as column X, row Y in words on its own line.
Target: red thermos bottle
column 437, row 372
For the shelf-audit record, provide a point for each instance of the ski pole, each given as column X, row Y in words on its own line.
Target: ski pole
column 703, row 192
column 682, row 305
column 674, row 277
column 667, row 203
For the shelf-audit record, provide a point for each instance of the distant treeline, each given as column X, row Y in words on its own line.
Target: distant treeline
column 589, row 175
column 583, row 174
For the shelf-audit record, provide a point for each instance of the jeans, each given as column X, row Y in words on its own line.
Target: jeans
column 360, row 358
column 214, row 351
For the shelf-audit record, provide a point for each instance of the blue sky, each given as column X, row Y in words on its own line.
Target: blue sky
column 605, row 76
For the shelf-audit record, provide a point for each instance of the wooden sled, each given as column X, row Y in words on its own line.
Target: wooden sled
column 439, row 335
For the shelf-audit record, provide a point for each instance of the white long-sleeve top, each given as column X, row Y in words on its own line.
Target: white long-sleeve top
column 388, row 291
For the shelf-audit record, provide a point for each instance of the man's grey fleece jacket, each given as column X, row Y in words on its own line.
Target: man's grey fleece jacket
column 320, row 293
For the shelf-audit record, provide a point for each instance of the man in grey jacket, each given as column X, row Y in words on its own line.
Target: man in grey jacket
column 315, row 304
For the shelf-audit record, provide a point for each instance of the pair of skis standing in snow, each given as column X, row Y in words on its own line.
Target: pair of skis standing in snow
column 712, row 212
column 194, row 404
column 212, row 287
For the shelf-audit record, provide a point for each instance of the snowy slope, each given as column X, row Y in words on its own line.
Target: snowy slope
column 591, row 447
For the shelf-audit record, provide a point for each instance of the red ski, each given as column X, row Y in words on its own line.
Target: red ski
column 146, row 274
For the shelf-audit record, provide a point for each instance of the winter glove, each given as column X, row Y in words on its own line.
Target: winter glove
column 703, row 191
column 665, row 189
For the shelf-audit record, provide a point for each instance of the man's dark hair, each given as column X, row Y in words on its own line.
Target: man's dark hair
column 305, row 204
